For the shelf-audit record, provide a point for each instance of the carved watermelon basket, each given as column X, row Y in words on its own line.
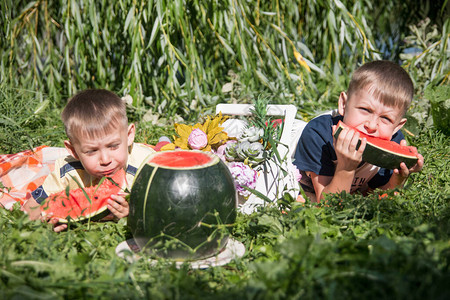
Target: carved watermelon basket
column 181, row 203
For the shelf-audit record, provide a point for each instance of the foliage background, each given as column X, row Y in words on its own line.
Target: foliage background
column 178, row 59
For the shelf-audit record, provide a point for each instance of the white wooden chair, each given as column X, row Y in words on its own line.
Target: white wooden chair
column 275, row 180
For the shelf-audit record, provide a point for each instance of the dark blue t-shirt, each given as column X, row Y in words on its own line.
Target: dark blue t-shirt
column 315, row 153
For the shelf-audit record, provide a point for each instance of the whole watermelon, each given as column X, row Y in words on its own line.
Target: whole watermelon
column 180, row 204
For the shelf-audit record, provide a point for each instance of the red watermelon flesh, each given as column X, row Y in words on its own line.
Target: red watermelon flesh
column 180, row 159
column 77, row 207
column 383, row 153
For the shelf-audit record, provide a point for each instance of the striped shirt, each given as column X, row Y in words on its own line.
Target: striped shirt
column 69, row 172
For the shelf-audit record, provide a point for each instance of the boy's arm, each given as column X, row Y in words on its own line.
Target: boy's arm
column 348, row 159
column 341, row 181
column 399, row 176
column 31, row 205
column 31, row 208
column 51, row 184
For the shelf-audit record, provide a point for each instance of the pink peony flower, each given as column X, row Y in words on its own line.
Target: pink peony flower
column 297, row 174
column 197, row 139
column 243, row 176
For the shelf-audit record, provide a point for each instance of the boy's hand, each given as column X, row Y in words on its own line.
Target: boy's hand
column 31, row 208
column 118, row 205
column 348, row 158
column 57, row 227
column 400, row 175
column 404, row 172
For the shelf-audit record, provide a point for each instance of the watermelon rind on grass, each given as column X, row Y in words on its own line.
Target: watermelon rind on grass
column 383, row 153
column 181, row 205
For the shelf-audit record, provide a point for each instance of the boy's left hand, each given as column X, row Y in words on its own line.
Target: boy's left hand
column 403, row 172
column 118, row 205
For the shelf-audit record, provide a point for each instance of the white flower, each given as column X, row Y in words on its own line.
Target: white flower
column 252, row 134
column 127, row 99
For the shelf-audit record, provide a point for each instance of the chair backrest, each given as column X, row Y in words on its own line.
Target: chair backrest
column 287, row 111
column 273, row 183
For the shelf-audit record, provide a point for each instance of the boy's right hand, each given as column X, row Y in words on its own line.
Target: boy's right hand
column 32, row 209
column 57, row 227
column 348, row 158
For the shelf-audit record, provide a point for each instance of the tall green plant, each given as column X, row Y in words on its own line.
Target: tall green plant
column 176, row 56
column 429, row 58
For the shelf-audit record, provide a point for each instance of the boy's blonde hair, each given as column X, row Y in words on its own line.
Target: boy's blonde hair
column 93, row 113
column 386, row 81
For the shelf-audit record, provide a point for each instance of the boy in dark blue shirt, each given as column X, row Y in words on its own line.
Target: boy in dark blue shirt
column 378, row 96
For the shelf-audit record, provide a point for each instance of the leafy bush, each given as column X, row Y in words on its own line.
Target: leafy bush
column 175, row 57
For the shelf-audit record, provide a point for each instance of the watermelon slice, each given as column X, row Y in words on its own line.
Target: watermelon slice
column 383, row 153
column 75, row 206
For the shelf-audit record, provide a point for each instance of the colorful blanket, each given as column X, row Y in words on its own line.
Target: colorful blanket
column 23, row 172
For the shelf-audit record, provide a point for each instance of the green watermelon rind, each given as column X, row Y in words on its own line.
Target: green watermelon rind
column 149, row 216
column 381, row 157
column 94, row 216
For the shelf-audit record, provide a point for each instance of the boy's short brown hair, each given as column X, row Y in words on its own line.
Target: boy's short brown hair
column 92, row 113
column 386, row 81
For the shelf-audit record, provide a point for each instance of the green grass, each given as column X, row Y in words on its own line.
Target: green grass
column 175, row 60
column 349, row 247
column 27, row 120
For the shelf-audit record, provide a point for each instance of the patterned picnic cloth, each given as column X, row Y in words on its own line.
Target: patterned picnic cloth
column 23, row 172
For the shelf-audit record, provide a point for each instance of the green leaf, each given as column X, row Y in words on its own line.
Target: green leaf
column 155, row 29
column 130, row 17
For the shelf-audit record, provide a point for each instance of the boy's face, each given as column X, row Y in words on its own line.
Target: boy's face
column 105, row 155
column 369, row 115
